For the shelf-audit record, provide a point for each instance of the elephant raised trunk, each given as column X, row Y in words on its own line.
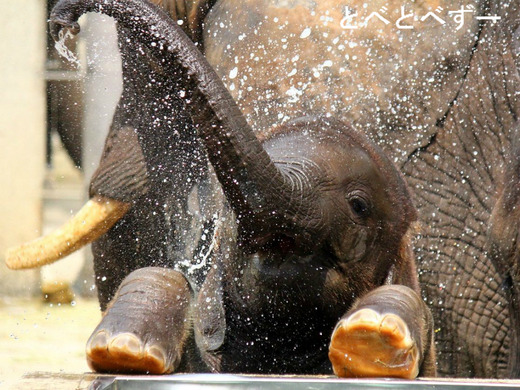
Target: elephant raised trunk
column 255, row 188
column 253, row 185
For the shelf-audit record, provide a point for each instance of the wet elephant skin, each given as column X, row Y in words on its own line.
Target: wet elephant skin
column 446, row 118
column 445, row 102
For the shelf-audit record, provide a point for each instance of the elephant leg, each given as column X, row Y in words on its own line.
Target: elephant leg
column 388, row 332
column 504, row 242
column 145, row 328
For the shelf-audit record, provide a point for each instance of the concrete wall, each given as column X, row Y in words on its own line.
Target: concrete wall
column 22, row 133
column 23, row 130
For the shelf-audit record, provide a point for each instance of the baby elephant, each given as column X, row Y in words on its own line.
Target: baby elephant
column 312, row 265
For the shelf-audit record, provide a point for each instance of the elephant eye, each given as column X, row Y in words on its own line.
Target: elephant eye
column 359, row 206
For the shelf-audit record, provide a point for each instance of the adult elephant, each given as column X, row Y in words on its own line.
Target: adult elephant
column 441, row 99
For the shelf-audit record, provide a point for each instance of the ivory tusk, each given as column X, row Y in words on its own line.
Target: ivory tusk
column 94, row 219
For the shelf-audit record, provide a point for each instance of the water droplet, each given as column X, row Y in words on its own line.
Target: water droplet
column 233, row 73
column 305, row 33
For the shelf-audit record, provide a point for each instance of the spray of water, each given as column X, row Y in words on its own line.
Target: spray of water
column 62, row 48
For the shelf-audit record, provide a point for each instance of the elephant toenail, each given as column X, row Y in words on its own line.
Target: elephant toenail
column 395, row 324
column 97, row 341
column 128, row 343
column 363, row 315
column 157, row 353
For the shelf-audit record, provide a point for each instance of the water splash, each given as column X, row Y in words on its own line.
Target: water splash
column 63, row 50
column 190, row 267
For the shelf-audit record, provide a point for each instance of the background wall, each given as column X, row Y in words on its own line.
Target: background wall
column 38, row 194
column 22, row 132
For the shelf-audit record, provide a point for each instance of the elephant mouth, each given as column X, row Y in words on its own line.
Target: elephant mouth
column 294, row 266
column 286, row 261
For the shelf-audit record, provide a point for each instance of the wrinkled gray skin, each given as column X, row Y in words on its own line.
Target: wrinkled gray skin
column 445, row 104
column 442, row 102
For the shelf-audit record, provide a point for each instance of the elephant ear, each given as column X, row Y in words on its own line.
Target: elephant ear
column 121, row 173
column 378, row 82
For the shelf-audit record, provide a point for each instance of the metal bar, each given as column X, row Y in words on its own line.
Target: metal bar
column 242, row 382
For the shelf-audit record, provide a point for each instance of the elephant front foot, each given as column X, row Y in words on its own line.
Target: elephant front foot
column 145, row 327
column 388, row 332
column 126, row 352
column 369, row 344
